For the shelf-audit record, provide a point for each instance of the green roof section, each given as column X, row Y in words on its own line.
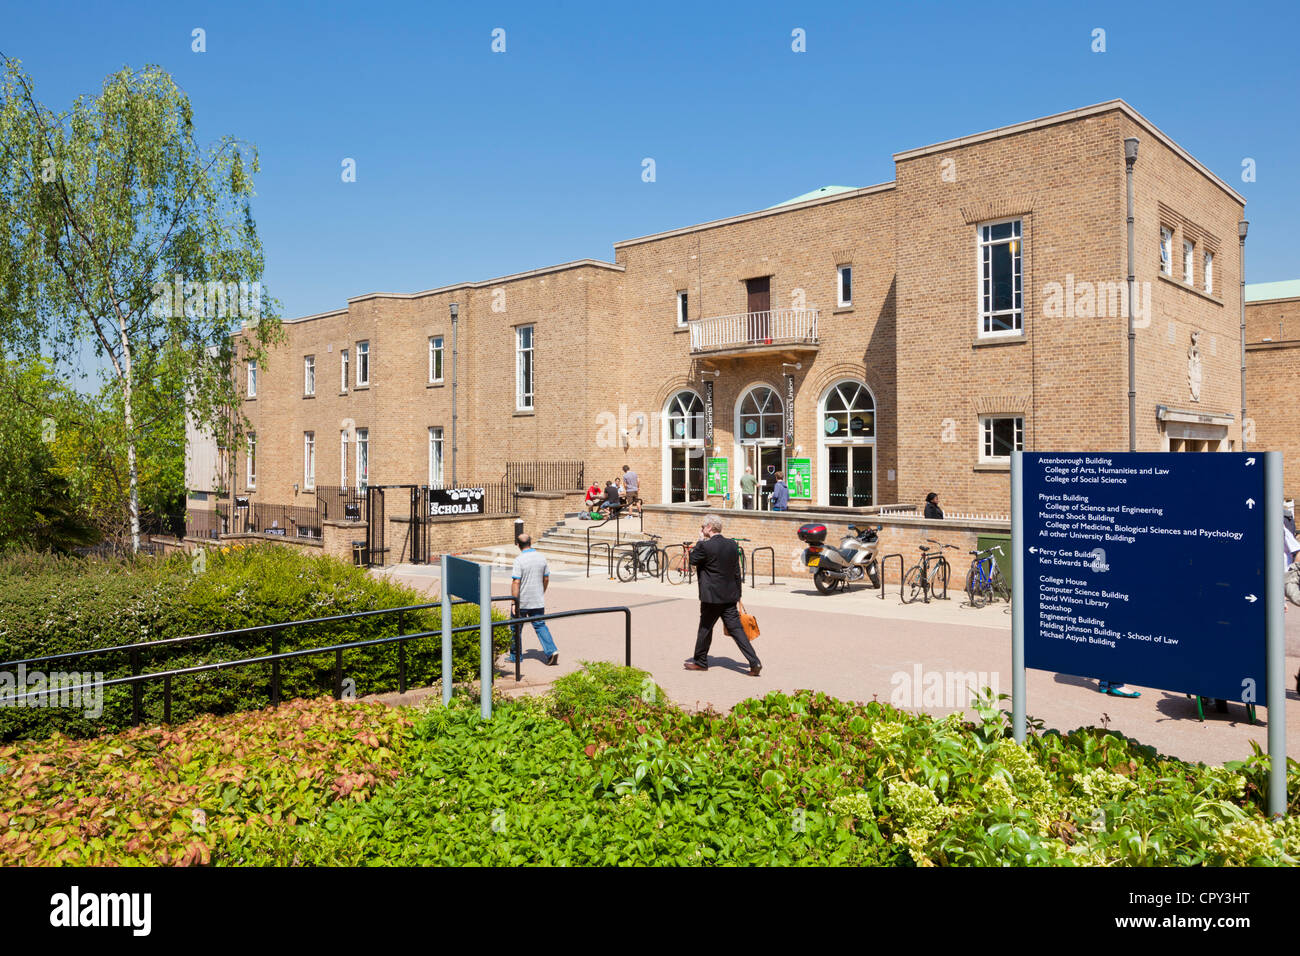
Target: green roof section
column 821, row 193
column 1264, row 291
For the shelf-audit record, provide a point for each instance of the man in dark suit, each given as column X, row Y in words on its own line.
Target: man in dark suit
column 716, row 561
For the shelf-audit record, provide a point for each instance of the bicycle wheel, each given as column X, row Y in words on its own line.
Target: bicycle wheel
column 1001, row 587
column 974, row 593
column 939, row 578
column 651, row 563
column 627, row 568
column 913, row 585
column 675, row 570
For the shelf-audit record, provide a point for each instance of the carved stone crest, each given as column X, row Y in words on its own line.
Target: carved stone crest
column 1194, row 372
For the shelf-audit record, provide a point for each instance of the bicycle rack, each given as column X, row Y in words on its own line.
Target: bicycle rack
column 616, row 553
column 753, row 571
column 608, row 551
column 902, row 572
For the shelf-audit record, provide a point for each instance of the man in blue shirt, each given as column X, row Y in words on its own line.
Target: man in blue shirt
column 528, row 582
column 780, row 494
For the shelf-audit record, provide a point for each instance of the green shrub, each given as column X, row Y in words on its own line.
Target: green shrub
column 602, row 686
column 50, row 605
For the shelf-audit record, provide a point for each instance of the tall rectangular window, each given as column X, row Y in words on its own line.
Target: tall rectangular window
column 1166, row 250
column 343, row 370
column 435, row 456
column 1000, row 436
column 343, row 458
column 683, row 308
column 309, row 375
column 1001, row 306
column 252, row 378
column 1188, row 257
column 363, row 458
column 524, row 368
column 309, row 460
column 252, row 461
column 363, row 363
column 844, row 286
column 1209, row 271
column 435, row 358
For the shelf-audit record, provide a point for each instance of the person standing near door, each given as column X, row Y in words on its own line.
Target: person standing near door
column 780, row 494
column 716, row 560
column 748, row 484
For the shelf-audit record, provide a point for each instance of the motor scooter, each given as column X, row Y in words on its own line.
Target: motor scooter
column 853, row 560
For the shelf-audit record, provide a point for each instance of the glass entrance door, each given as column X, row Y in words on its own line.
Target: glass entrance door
column 687, row 473
column 849, row 478
column 766, row 460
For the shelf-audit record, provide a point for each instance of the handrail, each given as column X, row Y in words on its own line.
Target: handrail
column 336, row 649
column 144, row 645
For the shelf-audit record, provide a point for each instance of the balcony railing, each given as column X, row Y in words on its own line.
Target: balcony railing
column 752, row 330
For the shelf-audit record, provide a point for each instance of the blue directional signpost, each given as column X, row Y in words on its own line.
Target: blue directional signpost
column 1159, row 569
column 469, row 582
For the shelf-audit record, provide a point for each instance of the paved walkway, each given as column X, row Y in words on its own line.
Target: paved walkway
column 857, row 646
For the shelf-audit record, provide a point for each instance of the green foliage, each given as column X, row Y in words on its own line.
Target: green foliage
column 602, row 686
column 803, row 779
column 49, row 605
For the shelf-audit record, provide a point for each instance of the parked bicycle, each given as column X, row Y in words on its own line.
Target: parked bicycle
column 984, row 581
column 642, row 558
column 679, row 568
column 930, row 575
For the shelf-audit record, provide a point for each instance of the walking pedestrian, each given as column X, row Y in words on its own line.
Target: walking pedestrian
column 529, row 580
column 716, row 560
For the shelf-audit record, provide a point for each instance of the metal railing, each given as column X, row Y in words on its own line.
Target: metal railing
column 775, row 326
column 565, row 475
column 137, row 679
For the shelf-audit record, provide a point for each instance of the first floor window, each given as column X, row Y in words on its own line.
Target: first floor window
column 1000, row 436
column 1001, row 307
column 1209, row 272
column 844, row 286
column 363, row 363
column 435, row 456
column 1166, row 250
column 524, row 368
column 309, row 460
column 309, row 375
column 252, row 378
column 683, row 308
column 343, row 458
column 252, row 461
column 435, row 358
column 363, row 457
column 343, row 365
column 1187, row 262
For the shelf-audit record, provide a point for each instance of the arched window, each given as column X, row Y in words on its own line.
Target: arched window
column 761, row 414
column 685, row 417
column 849, row 412
column 684, row 447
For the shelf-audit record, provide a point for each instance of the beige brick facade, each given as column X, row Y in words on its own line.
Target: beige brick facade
column 1273, row 382
column 610, row 354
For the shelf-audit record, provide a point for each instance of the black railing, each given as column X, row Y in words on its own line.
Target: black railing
column 289, row 521
column 205, row 524
column 137, row 680
column 546, row 475
column 340, row 503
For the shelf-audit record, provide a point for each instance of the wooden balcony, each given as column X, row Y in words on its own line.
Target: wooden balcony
column 755, row 333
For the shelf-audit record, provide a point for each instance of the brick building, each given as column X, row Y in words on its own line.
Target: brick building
column 1273, row 373
column 876, row 342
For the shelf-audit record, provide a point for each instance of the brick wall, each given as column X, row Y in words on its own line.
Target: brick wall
column 1273, row 383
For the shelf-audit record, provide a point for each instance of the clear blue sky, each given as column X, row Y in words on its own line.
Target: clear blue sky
column 472, row 164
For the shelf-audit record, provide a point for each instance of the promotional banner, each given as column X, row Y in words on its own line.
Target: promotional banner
column 718, row 469
column 708, row 414
column 789, row 410
column 1147, row 568
column 798, row 477
column 455, row 501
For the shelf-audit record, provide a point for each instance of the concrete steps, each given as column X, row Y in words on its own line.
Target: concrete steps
column 564, row 544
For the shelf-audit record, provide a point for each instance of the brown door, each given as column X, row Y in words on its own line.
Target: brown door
column 758, row 294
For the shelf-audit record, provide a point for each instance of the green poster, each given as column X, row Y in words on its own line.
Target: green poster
column 798, row 475
column 717, row 483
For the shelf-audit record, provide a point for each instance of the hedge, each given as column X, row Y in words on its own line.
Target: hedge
column 50, row 605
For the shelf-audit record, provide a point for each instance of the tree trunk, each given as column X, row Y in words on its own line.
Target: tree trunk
column 130, row 439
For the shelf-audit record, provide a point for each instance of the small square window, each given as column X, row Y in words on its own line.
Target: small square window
column 1000, row 436
column 844, row 286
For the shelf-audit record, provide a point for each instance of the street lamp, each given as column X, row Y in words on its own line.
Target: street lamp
column 1130, row 158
